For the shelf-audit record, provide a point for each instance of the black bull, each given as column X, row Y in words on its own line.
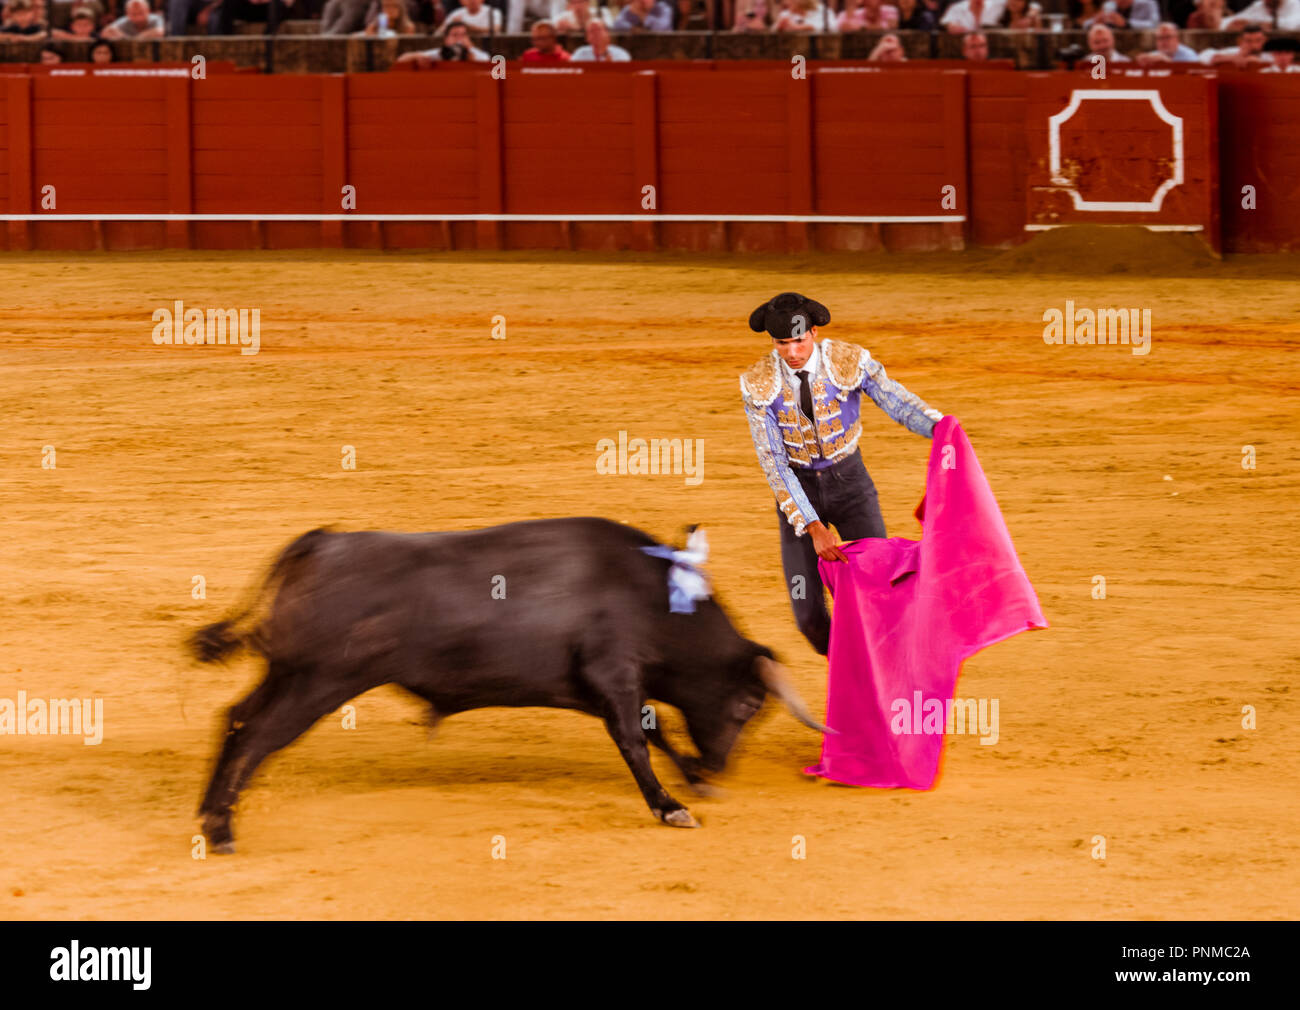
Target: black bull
column 559, row 613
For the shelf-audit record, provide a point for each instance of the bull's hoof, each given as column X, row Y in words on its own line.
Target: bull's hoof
column 702, row 788
column 679, row 818
column 216, row 829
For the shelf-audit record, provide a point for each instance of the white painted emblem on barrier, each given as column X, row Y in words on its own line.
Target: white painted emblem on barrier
column 1077, row 98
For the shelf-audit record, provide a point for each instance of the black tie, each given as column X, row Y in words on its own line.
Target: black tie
column 805, row 395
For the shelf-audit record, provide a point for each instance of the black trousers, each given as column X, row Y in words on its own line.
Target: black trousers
column 843, row 496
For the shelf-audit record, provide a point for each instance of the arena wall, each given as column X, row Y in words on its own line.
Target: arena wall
column 687, row 155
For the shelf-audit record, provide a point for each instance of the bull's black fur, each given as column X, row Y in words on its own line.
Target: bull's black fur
column 220, row 640
column 584, row 624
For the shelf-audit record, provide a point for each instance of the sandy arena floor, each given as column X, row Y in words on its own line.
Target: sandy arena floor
column 1123, row 720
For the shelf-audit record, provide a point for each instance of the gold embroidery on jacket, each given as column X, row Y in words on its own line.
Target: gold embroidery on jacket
column 799, row 453
column 846, row 364
column 762, row 381
column 825, row 406
column 845, row 443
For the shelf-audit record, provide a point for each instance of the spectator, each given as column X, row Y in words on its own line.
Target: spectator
column 475, row 15
column 598, row 48
column 1101, row 42
column 388, row 18
column 1021, row 15
column 690, row 16
column 577, row 15
column 888, row 50
column 546, row 49
column 975, row 47
column 1249, row 50
column 24, row 21
column 50, row 55
column 103, row 52
column 752, row 16
column 871, row 15
column 342, row 17
column 1283, row 52
column 180, row 13
column 919, row 15
column 542, row 10
column 650, row 15
column 1169, row 48
column 1208, row 15
column 968, row 15
column 81, row 26
column 427, row 14
column 1082, row 11
column 1281, row 15
column 137, row 23
column 802, row 16
column 1139, row 15
column 95, row 6
column 222, row 20
column 457, row 45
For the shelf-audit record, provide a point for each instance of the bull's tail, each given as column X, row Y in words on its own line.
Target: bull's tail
column 218, row 641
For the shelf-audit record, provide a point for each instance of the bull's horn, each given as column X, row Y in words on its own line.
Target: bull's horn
column 777, row 680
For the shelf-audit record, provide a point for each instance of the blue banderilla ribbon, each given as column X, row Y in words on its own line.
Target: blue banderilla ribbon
column 686, row 579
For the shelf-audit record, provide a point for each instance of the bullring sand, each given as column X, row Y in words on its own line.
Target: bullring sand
column 1124, row 720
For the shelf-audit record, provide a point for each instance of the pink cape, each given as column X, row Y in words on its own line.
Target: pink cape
column 908, row 612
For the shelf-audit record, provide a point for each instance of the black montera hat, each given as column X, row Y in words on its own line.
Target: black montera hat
column 1282, row 45
column 788, row 315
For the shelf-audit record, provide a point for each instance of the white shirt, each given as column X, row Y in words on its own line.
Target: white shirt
column 568, row 21
column 809, row 366
column 819, row 18
column 548, row 9
column 1288, row 16
column 1207, row 55
column 613, row 54
column 479, row 21
column 960, row 13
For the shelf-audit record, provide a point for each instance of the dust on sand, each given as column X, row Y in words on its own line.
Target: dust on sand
column 1108, row 249
column 1123, row 722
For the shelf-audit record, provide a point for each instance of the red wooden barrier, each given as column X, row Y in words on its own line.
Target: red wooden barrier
column 1125, row 150
column 1258, row 119
column 998, row 156
column 843, row 141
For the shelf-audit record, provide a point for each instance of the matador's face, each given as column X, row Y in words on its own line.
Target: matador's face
column 796, row 351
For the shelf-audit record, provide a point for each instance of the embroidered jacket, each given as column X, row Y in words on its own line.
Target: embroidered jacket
column 784, row 438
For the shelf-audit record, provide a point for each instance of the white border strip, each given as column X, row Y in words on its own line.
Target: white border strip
column 1077, row 98
column 1135, row 224
column 651, row 218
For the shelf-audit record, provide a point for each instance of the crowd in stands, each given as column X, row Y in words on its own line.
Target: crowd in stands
column 463, row 25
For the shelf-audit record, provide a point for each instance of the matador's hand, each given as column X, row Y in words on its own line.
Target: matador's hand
column 825, row 542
